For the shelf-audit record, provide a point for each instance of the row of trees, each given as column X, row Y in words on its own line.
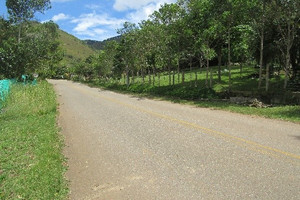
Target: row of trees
column 201, row 33
column 180, row 36
column 26, row 46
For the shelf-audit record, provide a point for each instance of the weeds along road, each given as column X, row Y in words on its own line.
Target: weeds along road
column 124, row 147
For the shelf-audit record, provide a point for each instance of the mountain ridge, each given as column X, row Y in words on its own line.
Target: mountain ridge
column 76, row 50
column 99, row 45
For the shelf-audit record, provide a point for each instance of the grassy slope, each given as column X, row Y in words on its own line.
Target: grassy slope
column 74, row 48
column 31, row 162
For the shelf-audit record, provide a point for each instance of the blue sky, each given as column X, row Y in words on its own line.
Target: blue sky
column 96, row 19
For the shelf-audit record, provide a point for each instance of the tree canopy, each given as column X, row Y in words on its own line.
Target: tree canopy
column 38, row 51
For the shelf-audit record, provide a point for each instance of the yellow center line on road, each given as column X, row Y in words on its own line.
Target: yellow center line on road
column 196, row 126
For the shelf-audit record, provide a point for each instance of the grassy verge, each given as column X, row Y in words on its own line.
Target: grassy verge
column 31, row 162
column 189, row 94
column 288, row 113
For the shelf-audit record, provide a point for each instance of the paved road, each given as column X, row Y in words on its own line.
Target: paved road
column 124, row 147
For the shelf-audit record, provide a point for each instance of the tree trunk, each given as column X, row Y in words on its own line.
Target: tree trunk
column 200, row 64
column 178, row 71
column 138, row 76
column 182, row 80
column 219, row 63
column 196, row 79
column 229, row 59
column 143, row 75
column 207, row 71
column 241, row 70
column 169, row 71
column 127, row 76
column 158, row 79
column 267, row 77
column 211, row 78
column 154, row 74
column 261, row 46
column 173, row 77
column 191, row 82
column 132, row 74
column 19, row 34
column 287, row 70
column 149, row 76
column 288, row 55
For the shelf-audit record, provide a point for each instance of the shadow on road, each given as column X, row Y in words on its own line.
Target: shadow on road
column 297, row 137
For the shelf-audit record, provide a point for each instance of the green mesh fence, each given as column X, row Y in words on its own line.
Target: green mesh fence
column 4, row 89
column 5, row 86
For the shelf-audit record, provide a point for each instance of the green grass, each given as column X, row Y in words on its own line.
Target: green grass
column 210, row 98
column 31, row 163
column 287, row 113
column 74, row 48
column 240, row 81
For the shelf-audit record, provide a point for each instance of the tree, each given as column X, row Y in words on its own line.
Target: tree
column 42, row 51
column 169, row 19
column 260, row 21
column 7, row 48
column 38, row 51
column 205, row 32
column 104, row 64
column 127, row 47
column 287, row 19
column 22, row 10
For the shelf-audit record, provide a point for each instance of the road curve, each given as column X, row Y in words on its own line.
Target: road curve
column 124, row 147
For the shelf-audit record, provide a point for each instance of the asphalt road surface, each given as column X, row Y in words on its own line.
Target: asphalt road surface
column 124, row 147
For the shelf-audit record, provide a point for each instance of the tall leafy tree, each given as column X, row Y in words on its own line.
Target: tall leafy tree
column 23, row 10
column 169, row 19
column 127, row 47
column 286, row 18
column 205, row 31
column 259, row 24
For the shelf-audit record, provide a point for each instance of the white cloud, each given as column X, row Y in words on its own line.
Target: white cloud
column 60, row 1
column 99, row 31
column 93, row 6
column 141, row 14
column 123, row 5
column 145, row 11
column 60, row 16
column 86, row 21
column 96, row 26
column 102, row 26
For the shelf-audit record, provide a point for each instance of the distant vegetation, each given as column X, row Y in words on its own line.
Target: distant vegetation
column 74, row 51
column 100, row 45
column 73, row 47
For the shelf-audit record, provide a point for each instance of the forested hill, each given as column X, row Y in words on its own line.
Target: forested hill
column 99, row 45
column 74, row 47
